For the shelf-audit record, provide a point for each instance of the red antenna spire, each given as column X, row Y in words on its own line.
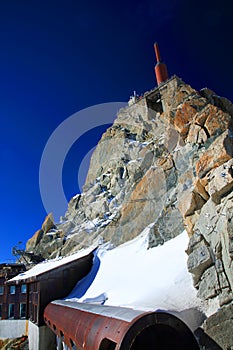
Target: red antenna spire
column 157, row 53
column 160, row 68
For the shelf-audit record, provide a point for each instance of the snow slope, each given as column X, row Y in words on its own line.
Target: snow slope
column 146, row 279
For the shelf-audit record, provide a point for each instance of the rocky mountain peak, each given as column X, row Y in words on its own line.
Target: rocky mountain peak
column 165, row 162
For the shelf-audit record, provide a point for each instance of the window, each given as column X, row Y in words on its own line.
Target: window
column 35, row 314
column 30, row 310
column 0, row 311
column 12, row 289
column 73, row 346
column 11, row 311
column 107, row 344
column 62, row 336
column 23, row 288
column 1, row 290
column 22, row 310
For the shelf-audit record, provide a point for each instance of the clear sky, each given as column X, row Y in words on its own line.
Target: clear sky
column 59, row 57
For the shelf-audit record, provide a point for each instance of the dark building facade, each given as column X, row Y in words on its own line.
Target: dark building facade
column 24, row 295
column 34, row 293
column 13, row 299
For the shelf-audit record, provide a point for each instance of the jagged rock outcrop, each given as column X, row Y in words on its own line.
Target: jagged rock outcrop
column 48, row 237
column 166, row 161
column 219, row 326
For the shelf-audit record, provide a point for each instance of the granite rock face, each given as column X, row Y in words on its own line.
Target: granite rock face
column 219, row 327
column 165, row 161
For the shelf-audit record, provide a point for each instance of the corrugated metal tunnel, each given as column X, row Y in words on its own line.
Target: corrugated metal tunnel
column 97, row 327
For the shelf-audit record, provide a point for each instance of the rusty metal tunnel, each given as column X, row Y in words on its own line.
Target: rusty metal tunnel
column 99, row 327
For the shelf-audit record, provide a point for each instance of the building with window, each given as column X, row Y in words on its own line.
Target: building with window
column 11, row 297
column 29, row 292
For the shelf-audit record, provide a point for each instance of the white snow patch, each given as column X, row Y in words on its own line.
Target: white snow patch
column 147, row 279
column 76, row 196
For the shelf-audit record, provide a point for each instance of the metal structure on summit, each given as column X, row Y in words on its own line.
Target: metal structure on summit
column 28, row 257
column 160, row 68
column 161, row 74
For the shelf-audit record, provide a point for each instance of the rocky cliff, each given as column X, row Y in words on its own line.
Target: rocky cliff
column 166, row 161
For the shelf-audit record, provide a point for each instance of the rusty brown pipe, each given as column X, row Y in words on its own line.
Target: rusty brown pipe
column 98, row 327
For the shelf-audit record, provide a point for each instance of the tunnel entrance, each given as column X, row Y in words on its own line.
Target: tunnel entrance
column 158, row 337
column 162, row 337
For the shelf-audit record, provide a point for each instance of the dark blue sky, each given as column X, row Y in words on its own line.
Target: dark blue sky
column 58, row 57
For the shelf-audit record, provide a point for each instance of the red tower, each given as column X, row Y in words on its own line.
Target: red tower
column 160, row 68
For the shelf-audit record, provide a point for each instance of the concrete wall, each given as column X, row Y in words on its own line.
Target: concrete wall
column 13, row 328
column 41, row 338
